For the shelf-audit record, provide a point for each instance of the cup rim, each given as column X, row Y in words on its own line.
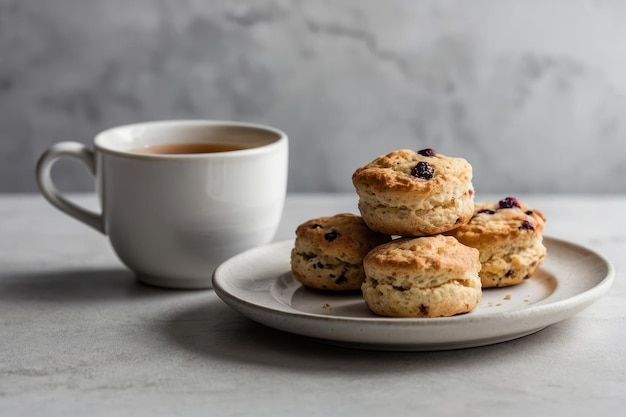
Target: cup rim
column 102, row 147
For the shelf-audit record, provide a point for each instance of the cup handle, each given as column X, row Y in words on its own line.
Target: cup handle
column 52, row 194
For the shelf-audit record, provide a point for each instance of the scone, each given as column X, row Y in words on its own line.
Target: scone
column 509, row 237
column 415, row 193
column 434, row 276
column 329, row 251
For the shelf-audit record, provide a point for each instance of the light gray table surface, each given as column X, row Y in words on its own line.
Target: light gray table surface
column 79, row 336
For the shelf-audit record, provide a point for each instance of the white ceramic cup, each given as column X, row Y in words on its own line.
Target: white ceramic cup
column 173, row 218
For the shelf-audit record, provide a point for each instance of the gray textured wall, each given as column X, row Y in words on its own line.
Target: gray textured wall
column 532, row 93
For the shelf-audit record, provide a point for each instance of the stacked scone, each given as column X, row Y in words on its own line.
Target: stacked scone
column 410, row 193
column 421, row 247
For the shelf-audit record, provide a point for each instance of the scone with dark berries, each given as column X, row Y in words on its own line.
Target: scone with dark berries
column 415, row 193
column 433, row 276
column 328, row 252
column 509, row 237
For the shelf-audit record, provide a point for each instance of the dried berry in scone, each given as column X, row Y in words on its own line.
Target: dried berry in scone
column 509, row 237
column 328, row 252
column 415, row 193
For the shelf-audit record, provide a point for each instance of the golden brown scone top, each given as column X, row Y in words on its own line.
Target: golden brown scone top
column 344, row 236
column 398, row 171
column 496, row 221
column 434, row 253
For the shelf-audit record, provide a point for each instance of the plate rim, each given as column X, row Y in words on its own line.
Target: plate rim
column 567, row 307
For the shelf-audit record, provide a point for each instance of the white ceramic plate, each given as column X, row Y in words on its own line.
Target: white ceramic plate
column 258, row 283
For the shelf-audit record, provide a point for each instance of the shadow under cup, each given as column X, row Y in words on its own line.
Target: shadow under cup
column 174, row 217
